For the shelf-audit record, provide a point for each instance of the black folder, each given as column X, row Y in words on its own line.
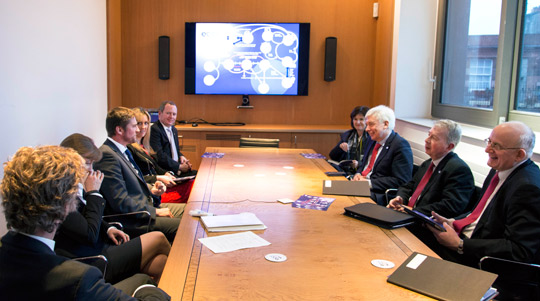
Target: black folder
column 441, row 279
column 379, row 215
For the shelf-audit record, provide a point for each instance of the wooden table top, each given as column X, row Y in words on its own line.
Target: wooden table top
column 328, row 254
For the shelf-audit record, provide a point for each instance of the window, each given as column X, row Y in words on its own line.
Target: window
column 488, row 62
column 528, row 84
column 480, row 74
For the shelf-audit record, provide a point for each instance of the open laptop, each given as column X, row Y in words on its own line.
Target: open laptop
column 339, row 187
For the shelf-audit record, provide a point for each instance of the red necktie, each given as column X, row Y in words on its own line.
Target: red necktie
column 462, row 223
column 372, row 160
column 421, row 186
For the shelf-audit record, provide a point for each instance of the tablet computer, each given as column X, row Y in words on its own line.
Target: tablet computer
column 424, row 218
column 182, row 179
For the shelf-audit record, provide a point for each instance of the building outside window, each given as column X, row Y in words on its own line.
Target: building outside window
column 488, row 62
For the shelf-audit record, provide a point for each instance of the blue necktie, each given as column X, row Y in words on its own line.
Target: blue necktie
column 130, row 157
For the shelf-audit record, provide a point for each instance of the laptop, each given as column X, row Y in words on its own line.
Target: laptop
column 353, row 188
column 443, row 280
column 379, row 216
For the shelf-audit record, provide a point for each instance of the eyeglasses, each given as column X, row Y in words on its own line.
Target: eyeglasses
column 496, row 146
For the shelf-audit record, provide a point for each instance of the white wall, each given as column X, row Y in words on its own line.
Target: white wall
column 414, row 37
column 53, row 73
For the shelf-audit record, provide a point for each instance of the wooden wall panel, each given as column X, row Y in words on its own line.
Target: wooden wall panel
column 359, row 78
column 383, row 53
column 114, row 53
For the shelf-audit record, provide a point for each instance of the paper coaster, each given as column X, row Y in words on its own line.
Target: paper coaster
column 275, row 257
column 383, row 264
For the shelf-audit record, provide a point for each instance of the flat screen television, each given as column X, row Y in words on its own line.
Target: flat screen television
column 247, row 58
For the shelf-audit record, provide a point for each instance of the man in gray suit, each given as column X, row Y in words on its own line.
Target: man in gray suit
column 39, row 190
column 123, row 186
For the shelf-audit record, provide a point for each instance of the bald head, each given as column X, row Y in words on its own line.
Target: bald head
column 509, row 144
column 518, row 134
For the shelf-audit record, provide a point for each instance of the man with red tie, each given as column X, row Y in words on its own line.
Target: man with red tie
column 387, row 162
column 444, row 183
column 506, row 220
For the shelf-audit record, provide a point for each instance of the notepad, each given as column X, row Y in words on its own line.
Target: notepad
column 233, row 222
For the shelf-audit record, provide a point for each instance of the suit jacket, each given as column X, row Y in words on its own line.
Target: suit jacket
column 392, row 168
column 124, row 190
column 83, row 232
column 31, row 271
column 509, row 228
column 447, row 192
column 159, row 141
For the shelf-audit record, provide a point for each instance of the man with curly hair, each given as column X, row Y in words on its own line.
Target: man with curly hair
column 39, row 190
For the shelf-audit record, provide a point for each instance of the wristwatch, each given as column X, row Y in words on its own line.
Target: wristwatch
column 460, row 247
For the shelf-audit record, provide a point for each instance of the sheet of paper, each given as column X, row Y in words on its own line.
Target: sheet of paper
column 285, row 201
column 233, row 242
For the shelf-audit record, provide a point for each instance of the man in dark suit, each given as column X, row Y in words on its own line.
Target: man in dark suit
column 38, row 190
column 444, row 183
column 505, row 222
column 123, row 186
column 164, row 141
column 387, row 162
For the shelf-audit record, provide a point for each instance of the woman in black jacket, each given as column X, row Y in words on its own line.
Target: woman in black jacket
column 352, row 144
column 85, row 233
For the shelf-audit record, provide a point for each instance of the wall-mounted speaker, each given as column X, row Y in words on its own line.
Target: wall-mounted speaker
column 164, row 51
column 330, row 59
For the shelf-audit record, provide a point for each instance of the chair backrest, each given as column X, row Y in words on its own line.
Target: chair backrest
column 134, row 223
column 259, row 142
column 516, row 280
column 475, row 197
column 99, row 261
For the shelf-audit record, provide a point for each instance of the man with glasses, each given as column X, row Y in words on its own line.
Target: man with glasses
column 506, row 220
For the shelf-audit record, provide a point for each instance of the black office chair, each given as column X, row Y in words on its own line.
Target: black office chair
column 99, row 261
column 516, row 280
column 259, row 142
column 391, row 193
column 133, row 223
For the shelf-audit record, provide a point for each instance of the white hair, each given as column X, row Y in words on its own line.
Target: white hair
column 383, row 113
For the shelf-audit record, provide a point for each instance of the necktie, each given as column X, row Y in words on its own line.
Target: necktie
column 421, row 185
column 462, row 223
column 372, row 160
column 135, row 166
column 174, row 154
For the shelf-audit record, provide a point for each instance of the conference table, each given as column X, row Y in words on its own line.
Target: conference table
column 328, row 254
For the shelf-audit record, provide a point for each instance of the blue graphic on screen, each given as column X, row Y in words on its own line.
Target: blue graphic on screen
column 240, row 58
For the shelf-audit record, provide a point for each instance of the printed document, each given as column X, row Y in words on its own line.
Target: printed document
column 233, row 242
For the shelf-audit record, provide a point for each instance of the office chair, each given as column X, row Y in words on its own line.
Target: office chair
column 391, row 193
column 99, row 261
column 133, row 223
column 516, row 281
column 259, row 142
